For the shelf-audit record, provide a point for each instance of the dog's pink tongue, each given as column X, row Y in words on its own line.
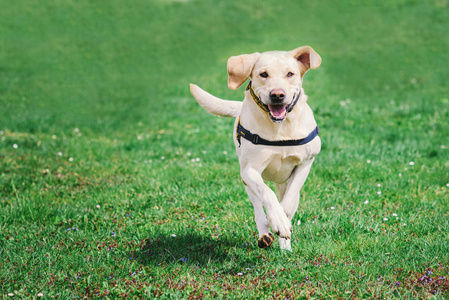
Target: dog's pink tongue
column 277, row 110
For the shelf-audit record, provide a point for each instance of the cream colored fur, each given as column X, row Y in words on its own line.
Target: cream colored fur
column 287, row 166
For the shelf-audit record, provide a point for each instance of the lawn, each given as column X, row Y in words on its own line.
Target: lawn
column 114, row 183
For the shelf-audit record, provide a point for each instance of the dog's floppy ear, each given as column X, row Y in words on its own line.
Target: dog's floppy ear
column 307, row 57
column 240, row 68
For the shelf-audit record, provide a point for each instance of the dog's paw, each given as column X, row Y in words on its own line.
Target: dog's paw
column 285, row 244
column 265, row 240
column 279, row 223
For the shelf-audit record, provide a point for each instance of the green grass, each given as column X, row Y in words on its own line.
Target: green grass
column 114, row 182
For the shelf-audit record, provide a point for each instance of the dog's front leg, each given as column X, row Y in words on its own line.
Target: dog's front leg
column 259, row 191
column 266, row 238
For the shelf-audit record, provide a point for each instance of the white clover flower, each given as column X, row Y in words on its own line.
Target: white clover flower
column 412, row 163
column 366, row 202
column 76, row 130
column 59, row 153
column 70, row 158
column 385, row 219
column 395, row 215
column 368, row 161
column 298, row 223
column 40, row 295
column 15, row 146
column 332, row 207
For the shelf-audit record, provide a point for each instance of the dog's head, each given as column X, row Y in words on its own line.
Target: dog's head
column 276, row 76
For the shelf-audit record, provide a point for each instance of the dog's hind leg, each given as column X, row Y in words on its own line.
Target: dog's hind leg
column 281, row 188
column 290, row 195
column 290, row 200
column 266, row 238
column 285, row 244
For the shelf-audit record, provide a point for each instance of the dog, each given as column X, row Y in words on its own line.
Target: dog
column 275, row 133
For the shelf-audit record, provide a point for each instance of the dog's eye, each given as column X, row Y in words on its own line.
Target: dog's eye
column 264, row 74
column 290, row 74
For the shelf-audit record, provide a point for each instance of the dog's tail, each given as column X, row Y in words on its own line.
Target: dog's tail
column 214, row 105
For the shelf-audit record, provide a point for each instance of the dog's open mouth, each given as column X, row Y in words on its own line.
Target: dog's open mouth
column 277, row 112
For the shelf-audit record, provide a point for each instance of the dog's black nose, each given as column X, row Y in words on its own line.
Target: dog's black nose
column 277, row 95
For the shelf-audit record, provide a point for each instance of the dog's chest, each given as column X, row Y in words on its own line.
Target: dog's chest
column 280, row 168
column 282, row 163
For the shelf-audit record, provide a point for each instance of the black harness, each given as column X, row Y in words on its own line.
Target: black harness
column 257, row 140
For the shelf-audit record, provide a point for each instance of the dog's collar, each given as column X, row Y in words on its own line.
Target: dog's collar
column 257, row 140
column 264, row 107
column 256, row 99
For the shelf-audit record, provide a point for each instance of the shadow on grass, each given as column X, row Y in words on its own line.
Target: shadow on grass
column 198, row 250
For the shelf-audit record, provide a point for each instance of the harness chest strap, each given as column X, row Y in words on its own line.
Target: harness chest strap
column 257, row 140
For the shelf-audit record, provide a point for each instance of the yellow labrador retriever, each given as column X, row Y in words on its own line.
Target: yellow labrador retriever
column 276, row 136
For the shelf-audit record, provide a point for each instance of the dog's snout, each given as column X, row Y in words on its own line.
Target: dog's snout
column 277, row 95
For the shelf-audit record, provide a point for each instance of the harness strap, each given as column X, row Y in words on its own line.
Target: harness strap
column 257, row 140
